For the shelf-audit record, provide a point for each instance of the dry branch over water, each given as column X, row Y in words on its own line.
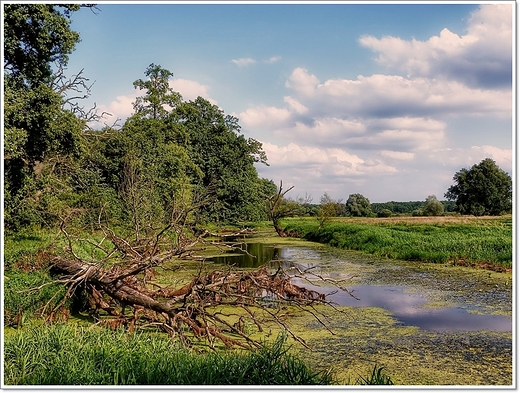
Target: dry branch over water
column 124, row 278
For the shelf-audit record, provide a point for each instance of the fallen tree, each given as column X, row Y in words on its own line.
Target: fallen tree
column 213, row 305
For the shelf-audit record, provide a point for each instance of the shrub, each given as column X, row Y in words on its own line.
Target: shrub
column 385, row 213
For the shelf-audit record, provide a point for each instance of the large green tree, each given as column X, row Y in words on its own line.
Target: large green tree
column 150, row 171
column 159, row 98
column 36, row 127
column 172, row 153
column 226, row 159
column 358, row 206
column 35, row 36
column 484, row 189
column 432, row 206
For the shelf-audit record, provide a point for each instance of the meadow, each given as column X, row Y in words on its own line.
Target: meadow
column 474, row 241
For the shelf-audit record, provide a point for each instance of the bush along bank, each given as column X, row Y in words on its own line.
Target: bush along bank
column 470, row 244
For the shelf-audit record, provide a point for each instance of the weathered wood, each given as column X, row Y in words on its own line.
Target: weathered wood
column 189, row 304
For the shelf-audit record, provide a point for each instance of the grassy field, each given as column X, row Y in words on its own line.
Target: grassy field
column 485, row 241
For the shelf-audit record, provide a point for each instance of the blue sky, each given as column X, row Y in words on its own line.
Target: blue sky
column 386, row 100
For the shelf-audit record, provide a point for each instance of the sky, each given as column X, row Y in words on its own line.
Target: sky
column 388, row 100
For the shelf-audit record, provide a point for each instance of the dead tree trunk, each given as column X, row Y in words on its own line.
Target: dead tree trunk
column 193, row 309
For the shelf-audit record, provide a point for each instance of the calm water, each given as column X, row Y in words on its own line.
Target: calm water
column 405, row 304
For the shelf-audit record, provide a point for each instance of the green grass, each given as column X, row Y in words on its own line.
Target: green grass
column 23, row 245
column 21, row 302
column 62, row 354
column 475, row 241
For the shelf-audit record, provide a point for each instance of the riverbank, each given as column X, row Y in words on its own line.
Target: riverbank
column 373, row 336
column 470, row 241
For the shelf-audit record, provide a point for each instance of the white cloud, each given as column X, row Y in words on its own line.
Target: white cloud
column 273, row 59
column 295, row 105
column 503, row 157
column 190, row 90
column 326, row 161
column 244, row 61
column 116, row 111
column 398, row 155
column 481, row 58
column 391, row 95
column 316, row 170
column 263, row 116
column 302, row 82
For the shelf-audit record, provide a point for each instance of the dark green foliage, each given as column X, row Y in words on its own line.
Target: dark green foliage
column 170, row 162
column 226, row 160
column 37, row 128
column 65, row 355
column 150, row 172
column 485, row 189
column 358, row 206
column 157, row 93
column 397, row 207
column 37, row 35
column 384, row 213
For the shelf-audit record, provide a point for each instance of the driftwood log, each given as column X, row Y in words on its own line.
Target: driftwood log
column 214, row 305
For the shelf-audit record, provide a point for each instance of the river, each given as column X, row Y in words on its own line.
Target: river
column 427, row 324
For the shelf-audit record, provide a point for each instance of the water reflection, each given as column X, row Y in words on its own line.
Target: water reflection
column 258, row 254
column 405, row 306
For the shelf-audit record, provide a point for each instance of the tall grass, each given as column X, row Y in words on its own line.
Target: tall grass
column 61, row 354
column 473, row 241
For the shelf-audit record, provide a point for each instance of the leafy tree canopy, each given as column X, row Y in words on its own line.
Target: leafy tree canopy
column 226, row 159
column 36, row 127
column 35, row 36
column 358, row 206
column 484, row 189
column 158, row 93
column 432, row 207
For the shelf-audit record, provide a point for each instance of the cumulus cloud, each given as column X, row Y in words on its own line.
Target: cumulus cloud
column 380, row 134
column 392, row 95
column 264, row 116
column 190, row 90
column 244, row 61
column 398, row 155
column 482, row 58
column 325, row 162
column 315, row 170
